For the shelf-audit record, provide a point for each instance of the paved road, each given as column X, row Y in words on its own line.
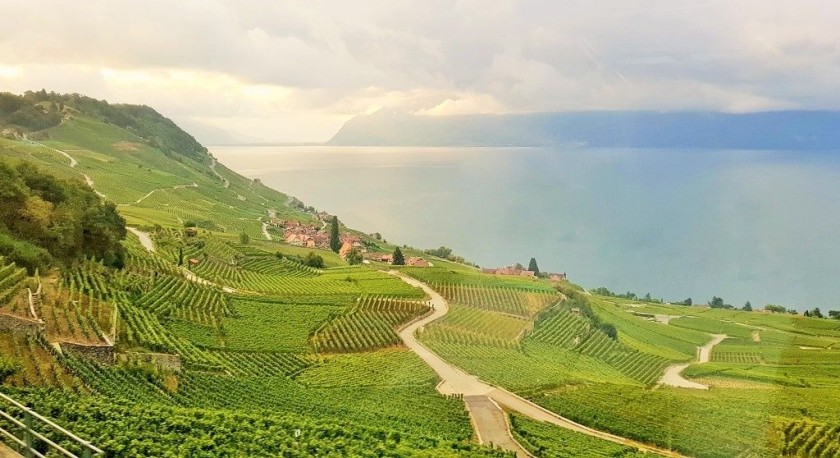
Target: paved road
column 491, row 424
column 456, row 381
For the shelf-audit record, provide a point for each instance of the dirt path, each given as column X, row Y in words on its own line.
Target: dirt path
column 145, row 240
column 456, row 381
column 673, row 374
column 265, row 229
column 213, row 169
column 705, row 354
column 147, row 243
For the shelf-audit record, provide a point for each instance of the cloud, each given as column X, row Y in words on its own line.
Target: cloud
column 326, row 60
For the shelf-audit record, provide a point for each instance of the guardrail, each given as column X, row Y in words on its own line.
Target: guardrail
column 28, row 437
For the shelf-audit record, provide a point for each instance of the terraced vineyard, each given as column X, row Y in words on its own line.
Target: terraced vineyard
column 513, row 301
column 568, row 330
column 185, row 300
column 141, row 328
column 804, row 438
column 11, row 283
column 253, row 364
column 37, row 367
column 547, row 440
column 369, row 325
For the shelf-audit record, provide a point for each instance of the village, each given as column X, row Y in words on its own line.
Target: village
column 519, row 271
column 310, row 235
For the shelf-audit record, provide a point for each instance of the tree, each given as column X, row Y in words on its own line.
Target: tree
column 399, row 259
column 532, row 266
column 354, row 256
column 775, row 308
column 314, row 260
column 716, row 303
column 835, row 314
column 244, row 239
column 687, row 301
column 442, row 252
column 747, row 306
column 335, row 237
column 609, row 329
column 816, row 313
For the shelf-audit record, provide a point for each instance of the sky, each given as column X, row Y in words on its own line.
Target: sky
column 295, row 71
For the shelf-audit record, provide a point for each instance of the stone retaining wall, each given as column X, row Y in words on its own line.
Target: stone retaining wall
column 166, row 361
column 103, row 353
column 20, row 325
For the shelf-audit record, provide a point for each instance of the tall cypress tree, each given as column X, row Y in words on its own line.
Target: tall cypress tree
column 335, row 239
column 532, row 266
column 399, row 259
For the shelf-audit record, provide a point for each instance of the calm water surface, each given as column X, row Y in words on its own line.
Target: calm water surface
column 745, row 225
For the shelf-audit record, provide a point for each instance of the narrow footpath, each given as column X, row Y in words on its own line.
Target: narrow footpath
column 486, row 402
column 146, row 242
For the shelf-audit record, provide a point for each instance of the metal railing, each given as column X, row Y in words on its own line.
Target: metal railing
column 29, row 436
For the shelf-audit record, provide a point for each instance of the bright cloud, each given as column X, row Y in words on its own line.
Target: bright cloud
column 296, row 70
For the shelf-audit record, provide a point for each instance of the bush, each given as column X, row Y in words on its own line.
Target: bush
column 24, row 254
column 314, row 260
column 8, row 368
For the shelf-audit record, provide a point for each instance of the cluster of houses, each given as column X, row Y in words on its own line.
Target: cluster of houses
column 300, row 234
column 520, row 272
column 389, row 259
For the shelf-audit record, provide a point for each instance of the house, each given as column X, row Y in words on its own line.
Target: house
column 294, row 239
column 510, row 270
column 345, row 249
column 379, row 257
column 417, row 262
column 353, row 239
column 557, row 276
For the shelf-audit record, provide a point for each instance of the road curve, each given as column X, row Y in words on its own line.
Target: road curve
column 673, row 374
column 456, row 381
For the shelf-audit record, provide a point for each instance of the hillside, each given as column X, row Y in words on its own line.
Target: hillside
column 216, row 338
column 630, row 129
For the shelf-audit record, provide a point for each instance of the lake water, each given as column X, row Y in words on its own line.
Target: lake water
column 762, row 226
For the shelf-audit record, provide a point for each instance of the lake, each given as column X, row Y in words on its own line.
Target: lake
column 762, row 226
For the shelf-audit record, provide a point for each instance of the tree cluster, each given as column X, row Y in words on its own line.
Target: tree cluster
column 156, row 130
column 24, row 113
column 446, row 253
column 602, row 291
column 44, row 219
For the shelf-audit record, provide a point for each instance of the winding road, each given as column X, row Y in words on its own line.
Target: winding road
column 485, row 401
column 673, row 374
